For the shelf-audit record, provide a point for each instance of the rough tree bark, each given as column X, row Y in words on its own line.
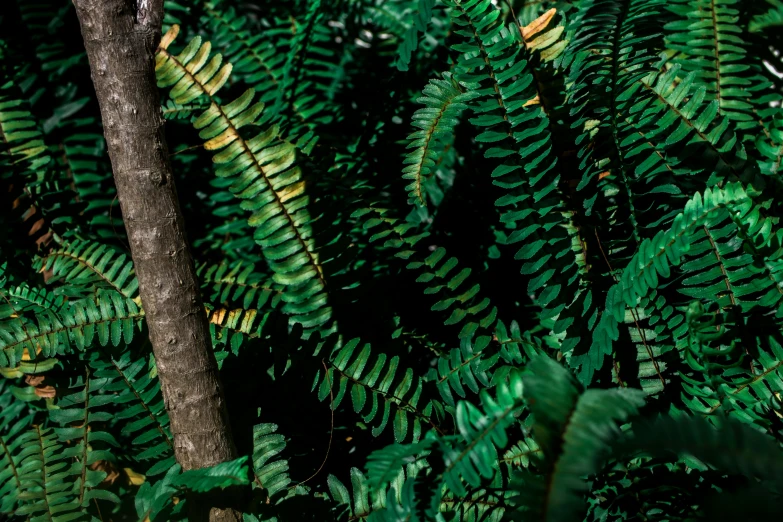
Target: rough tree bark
column 121, row 37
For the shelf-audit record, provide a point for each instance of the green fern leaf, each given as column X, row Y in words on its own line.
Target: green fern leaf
column 90, row 265
column 443, row 102
column 269, row 474
column 375, row 388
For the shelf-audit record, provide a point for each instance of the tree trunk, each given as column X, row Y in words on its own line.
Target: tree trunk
column 121, row 37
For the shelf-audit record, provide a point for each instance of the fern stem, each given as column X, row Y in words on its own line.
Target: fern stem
column 45, row 496
column 85, row 435
column 753, row 380
column 635, row 316
column 400, row 402
column 11, row 463
column 31, row 338
column 721, row 265
column 717, row 55
column 90, row 266
column 621, row 17
column 143, row 403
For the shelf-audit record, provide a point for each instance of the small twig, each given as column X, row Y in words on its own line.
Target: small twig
column 331, row 430
column 633, row 314
column 98, row 508
column 186, row 149
column 513, row 14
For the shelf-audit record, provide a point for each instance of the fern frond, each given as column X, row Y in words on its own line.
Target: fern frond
column 720, row 384
column 731, row 446
column 88, row 265
column 19, row 130
column 616, row 44
column 238, row 284
column 455, row 295
column 257, row 61
column 522, row 454
column 709, row 44
column 575, row 432
column 657, row 256
column 680, row 114
column 381, row 383
column 270, row 473
column 44, row 469
column 219, row 476
column 81, row 154
column 165, row 497
column 80, row 414
column 770, row 148
column 56, row 332
column 400, row 505
column 495, row 63
column 231, row 327
column 770, row 20
column 362, row 503
column 464, row 365
column 142, row 419
column 410, row 41
column 265, row 175
column 483, row 434
column 13, row 420
column 38, row 189
column 443, row 102
column 308, row 73
column 469, row 458
column 386, row 465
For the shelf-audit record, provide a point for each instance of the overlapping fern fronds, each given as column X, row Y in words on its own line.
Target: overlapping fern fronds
column 533, row 246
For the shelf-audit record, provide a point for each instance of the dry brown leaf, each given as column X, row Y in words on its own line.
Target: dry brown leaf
column 47, row 274
column 41, row 390
column 38, row 225
column 535, row 27
column 34, row 380
column 47, row 392
column 108, row 467
column 604, row 174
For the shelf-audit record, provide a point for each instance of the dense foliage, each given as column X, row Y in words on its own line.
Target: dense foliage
column 462, row 259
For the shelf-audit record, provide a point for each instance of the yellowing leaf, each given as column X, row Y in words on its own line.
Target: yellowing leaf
column 137, row 479
column 591, row 124
column 169, row 37
column 11, row 373
column 546, row 39
column 26, row 354
column 554, row 51
column 218, row 316
column 534, row 101
column 535, row 27
column 222, row 140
